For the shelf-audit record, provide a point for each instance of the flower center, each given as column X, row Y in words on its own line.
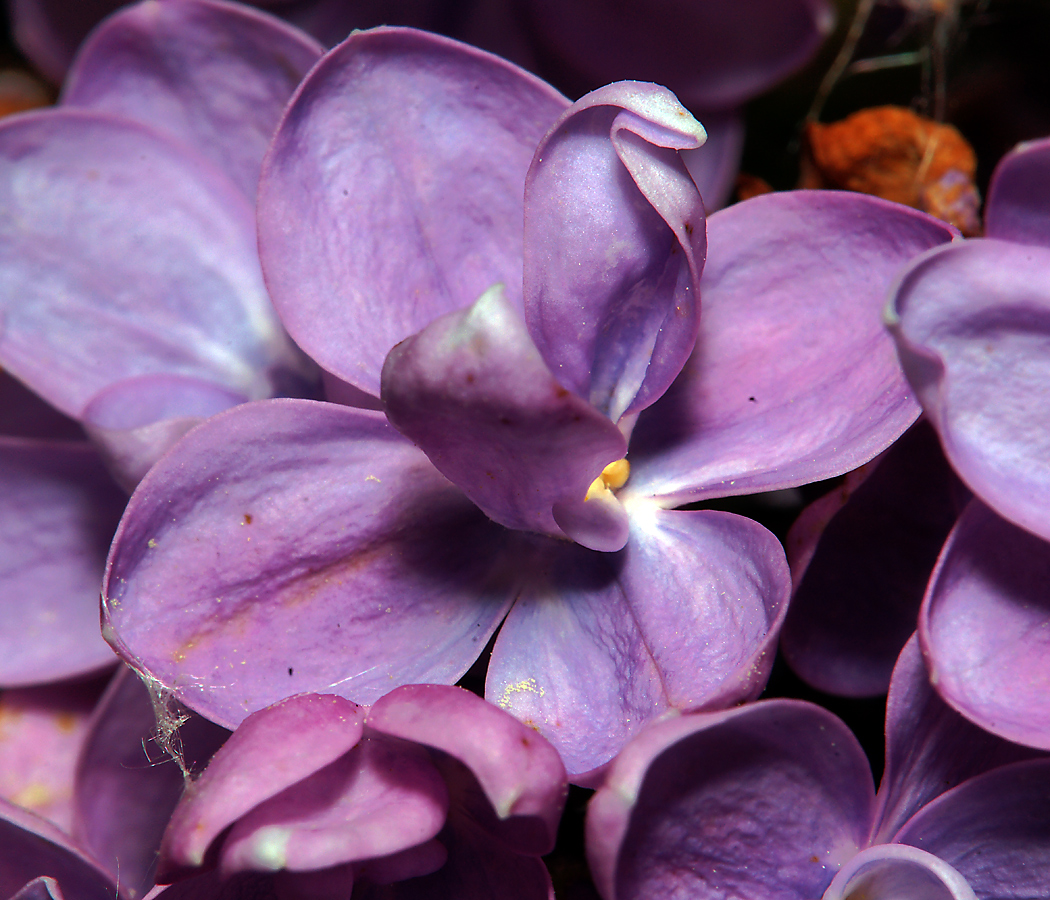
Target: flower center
column 613, row 476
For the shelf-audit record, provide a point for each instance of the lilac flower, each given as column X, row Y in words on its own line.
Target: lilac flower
column 293, row 545
column 776, row 800
column 432, row 787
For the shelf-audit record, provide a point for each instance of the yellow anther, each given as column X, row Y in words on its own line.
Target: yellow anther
column 613, row 476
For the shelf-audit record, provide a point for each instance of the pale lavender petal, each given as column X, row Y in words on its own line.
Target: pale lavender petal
column 985, row 627
column 291, row 546
column 473, row 393
column 686, row 616
column 892, row 871
column 993, row 830
column 124, row 254
column 714, row 166
column 393, row 192
column 857, row 600
column 521, row 774
column 1018, row 205
column 930, row 748
column 217, row 76
column 614, row 246
column 58, row 510
column 793, row 378
column 763, row 802
column 972, row 325
column 382, row 797
column 272, row 750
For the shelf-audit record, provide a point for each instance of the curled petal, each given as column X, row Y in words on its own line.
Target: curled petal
column 972, row 325
column 890, row 871
column 1018, row 205
column 473, row 393
column 614, row 246
column 714, row 166
column 793, row 378
column 397, row 139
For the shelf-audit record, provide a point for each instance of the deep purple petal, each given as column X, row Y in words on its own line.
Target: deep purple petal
column 972, row 325
column 892, row 871
column 764, row 802
column 292, row 545
column 714, row 166
column 1018, row 205
column 42, row 888
column 24, row 414
column 217, row 76
column 398, row 139
column 48, row 32
column 272, row 750
column 985, row 627
column 857, row 599
column 686, row 616
column 472, row 391
column 793, row 378
column 993, row 829
column 521, row 774
column 58, row 510
column 614, row 246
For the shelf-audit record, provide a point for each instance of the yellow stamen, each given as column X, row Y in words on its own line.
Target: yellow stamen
column 613, row 476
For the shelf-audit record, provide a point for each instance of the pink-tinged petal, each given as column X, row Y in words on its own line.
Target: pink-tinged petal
column 713, row 54
column 714, row 166
column 993, row 830
column 127, row 786
column 793, row 378
column 521, row 774
column 972, row 325
column 24, row 414
column 41, row 730
column 985, row 627
column 382, row 797
column 891, row 871
column 1018, row 205
column 215, row 75
column 930, row 748
column 272, row 750
column 30, row 846
column 856, row 600
column 766, row 801
column 686, row 616
column 291, row 546
column 614, row 246
column 58, row 510
column 125, row 254
column 472, row 391
column 397, row 139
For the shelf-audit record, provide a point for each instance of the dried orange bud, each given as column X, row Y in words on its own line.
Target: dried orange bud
column 20, row 91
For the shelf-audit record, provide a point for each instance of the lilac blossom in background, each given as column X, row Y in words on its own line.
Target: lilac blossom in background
column 775, row 800
column 430, row 793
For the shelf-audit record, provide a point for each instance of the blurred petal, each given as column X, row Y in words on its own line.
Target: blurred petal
column 1018, row 205
column 764, row 802
column 397, row 139
column 48, row 32
column 892, row 871
column 472, row 392
column 217, row 76
column 58, row 510
column 42, row 888
column 985, row 627
column 292, row 545
column 686, row 616
column 793, row 378
column 24, row 414
column 614, row 246
column 714, row 166
column 972, row 325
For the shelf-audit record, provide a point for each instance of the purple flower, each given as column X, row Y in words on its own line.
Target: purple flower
column 293, row 545
column 775, row 800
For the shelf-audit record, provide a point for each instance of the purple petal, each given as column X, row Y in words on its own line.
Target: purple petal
column 1018, row 205
column 42, row 888
column 793, row 378
column 271, row 751
column 714, row 166
column 24, row 414
column 892, row 871
column 216, row 76
column 48, row 32
column 292, row 545
column 521, row 774
column 985, row 627
column 396, row 139
column 596, row 646
column 473, row 393
column 763, row 801
column 125, row 255
column 58, row 510
column 972, row 325
column 615, row 243
column 857, row 600
column 993, row 830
